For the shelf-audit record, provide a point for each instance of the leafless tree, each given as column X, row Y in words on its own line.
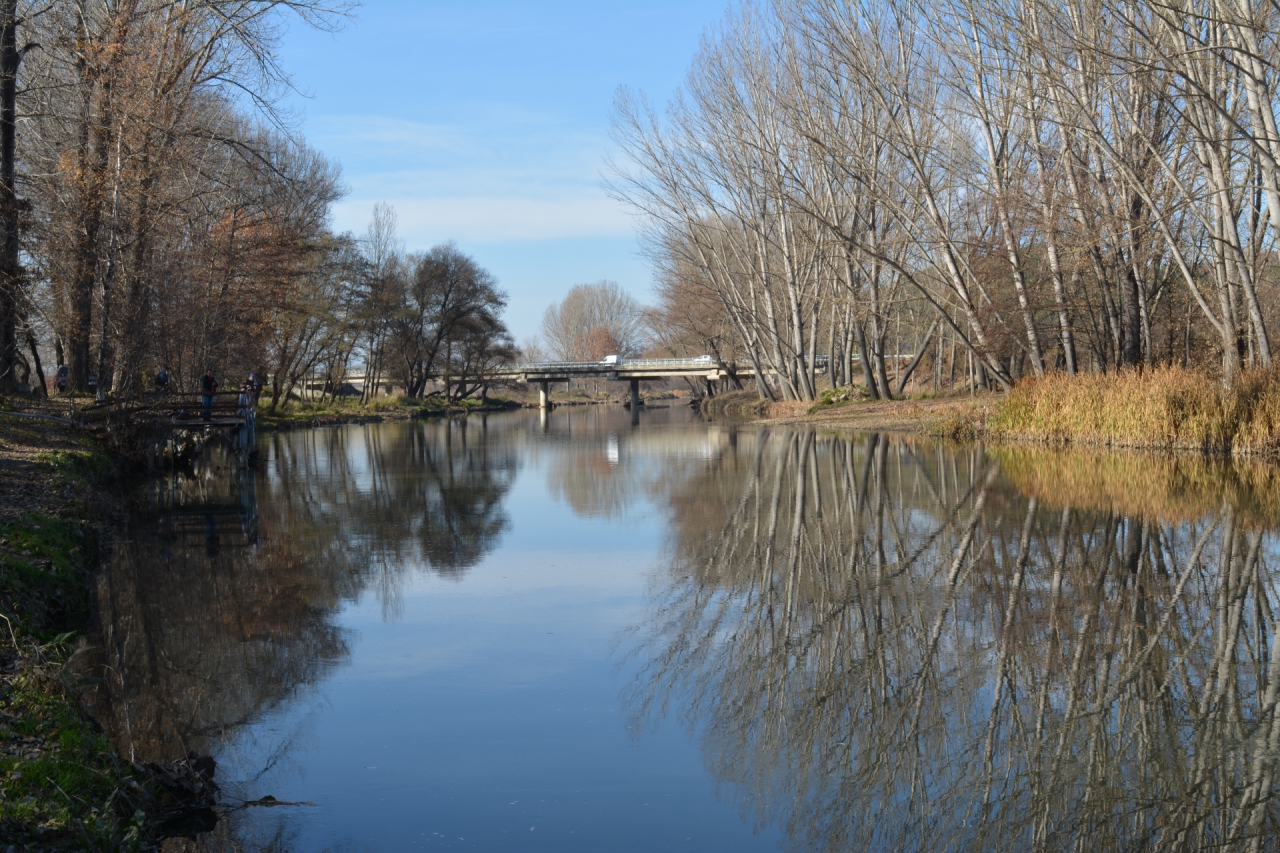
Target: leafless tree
column 592, row 321
column 1079, row 185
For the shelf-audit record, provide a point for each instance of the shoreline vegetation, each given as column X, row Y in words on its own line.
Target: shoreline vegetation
column 63, row 784
column 1162, row 409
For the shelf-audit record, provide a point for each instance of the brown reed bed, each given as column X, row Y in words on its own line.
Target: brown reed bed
column 1162, row 408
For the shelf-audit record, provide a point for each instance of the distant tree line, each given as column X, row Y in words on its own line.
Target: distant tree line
column 157, row 209
column 1076, row 185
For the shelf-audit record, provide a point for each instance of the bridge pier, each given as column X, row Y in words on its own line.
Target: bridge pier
column 544, row 401
column 635, row 395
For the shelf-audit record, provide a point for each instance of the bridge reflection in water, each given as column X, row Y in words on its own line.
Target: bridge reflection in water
column 881, row 643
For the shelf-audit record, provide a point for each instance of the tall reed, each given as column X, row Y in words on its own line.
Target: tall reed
column 1164, row 408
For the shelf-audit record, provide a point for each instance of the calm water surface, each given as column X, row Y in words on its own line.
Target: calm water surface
column 505, row 634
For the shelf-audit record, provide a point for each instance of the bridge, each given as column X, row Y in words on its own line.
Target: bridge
column 633, row 370
column 168, row 427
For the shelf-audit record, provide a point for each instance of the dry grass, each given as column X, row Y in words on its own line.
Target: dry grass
column 1166, row 408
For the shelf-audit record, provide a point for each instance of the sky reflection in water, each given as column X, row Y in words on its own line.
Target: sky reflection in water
column 688, row 636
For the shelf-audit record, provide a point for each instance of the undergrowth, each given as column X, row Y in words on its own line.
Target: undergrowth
column 837, row 398
column 62, row 783
column 62, row 786
column 734, row 404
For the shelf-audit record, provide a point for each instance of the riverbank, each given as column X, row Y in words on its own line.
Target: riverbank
column 958, row 416
column 61, row 781
column 1163, row 409
column 350, row 411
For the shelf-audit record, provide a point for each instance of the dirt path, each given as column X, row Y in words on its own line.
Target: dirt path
column 916, row 416
column 28, row 451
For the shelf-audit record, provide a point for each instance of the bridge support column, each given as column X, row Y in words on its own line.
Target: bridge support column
column 544, row 401
column 635, row 394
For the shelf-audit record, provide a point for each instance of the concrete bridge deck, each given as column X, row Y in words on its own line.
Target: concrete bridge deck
column 634, row 370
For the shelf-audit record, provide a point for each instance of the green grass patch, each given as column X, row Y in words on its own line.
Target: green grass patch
column 77, row 466
column 60, row 778
column 44, row 572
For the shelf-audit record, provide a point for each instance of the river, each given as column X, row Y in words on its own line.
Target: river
column 580, row 634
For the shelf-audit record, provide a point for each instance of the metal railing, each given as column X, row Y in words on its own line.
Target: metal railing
column 629, row 363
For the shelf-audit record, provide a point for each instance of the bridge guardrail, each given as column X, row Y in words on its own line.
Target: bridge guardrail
column 623, row 364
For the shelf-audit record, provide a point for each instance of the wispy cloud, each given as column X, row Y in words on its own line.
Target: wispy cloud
column 489, row 219
column 495, row 175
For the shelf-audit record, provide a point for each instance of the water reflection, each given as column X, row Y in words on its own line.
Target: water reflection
column 880, row 643
column 886, row 644
column 605, row 470
column 220, row 604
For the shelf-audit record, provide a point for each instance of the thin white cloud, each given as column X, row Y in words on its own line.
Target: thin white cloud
column 491, row 219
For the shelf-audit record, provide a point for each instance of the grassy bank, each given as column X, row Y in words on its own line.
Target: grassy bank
column 1165, row 409
column 62, row 785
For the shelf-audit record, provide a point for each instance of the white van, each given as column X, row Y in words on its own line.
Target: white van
column 610, row 359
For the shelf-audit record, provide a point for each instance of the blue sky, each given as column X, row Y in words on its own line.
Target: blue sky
column 487, row 123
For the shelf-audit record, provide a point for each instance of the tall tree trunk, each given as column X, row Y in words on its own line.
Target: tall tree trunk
column 1132, row 302
column 108, row 279
column 863, row 356
column 35, row 359
column 95, row 160
column 10, row 268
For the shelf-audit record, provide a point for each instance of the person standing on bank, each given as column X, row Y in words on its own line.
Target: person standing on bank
column 208, row 387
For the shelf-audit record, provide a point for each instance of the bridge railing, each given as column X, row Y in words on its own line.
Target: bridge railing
column 175, row 407
column 626, row 364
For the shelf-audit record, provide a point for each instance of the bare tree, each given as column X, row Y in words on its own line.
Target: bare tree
column 592, row 321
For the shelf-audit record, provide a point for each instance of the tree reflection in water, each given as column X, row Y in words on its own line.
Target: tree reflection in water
column 221, row 604
column 886, row 644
